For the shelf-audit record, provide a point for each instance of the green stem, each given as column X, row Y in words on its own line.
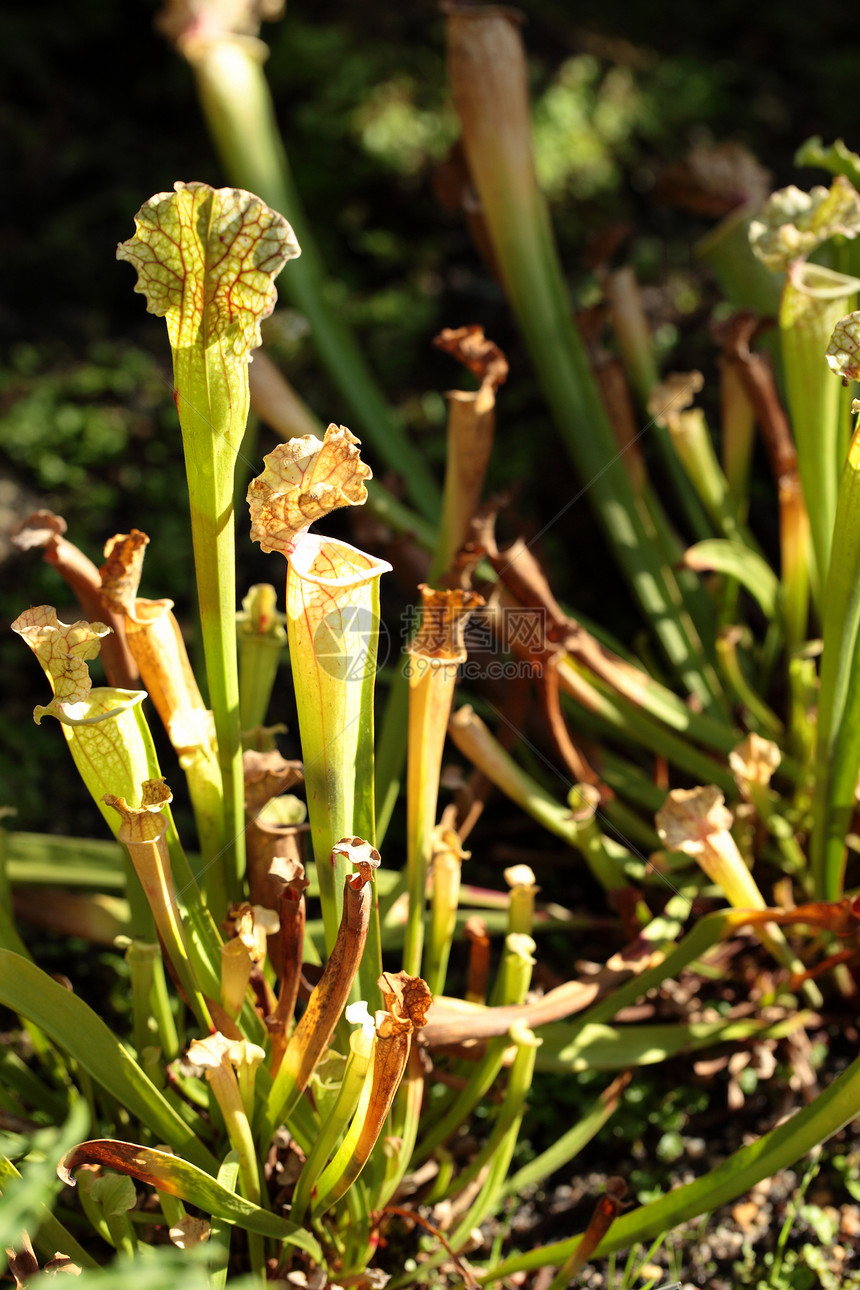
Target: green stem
column 496, row 1154
column 632, row 331
column 475, row 741
column 404, row 1122
column 838, row 751
column 122, row 1234
column 795, row 555
column 738, row 436
column 391, row 750
column 630, row 782
column 201, row 935
column 515, row 980
column 569, row 1144
column 693, row 445
column 634, row 723
column 626, row 824
column 140, row 958
column 226, row 1090
column 222, row 1231
column 210, row 491
column 645, row 697
column 803, row 698
column 431, row 690
column 499, row 1147
column 447, row 864
column 332, row 1127
column 583, row 800
column 736, row 680
column 261, row 642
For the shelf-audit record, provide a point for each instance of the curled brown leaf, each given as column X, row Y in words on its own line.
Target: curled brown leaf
column 481, row 356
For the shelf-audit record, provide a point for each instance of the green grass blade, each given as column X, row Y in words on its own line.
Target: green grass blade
column 163, row 1268
column 221, row 1230
column 638, row 725
column 570, row 1143
column 37, row 858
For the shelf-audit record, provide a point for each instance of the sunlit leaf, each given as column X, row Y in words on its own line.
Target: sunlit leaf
column 179, row 1178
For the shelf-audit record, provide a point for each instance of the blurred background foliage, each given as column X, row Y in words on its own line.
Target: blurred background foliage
column 99, row 114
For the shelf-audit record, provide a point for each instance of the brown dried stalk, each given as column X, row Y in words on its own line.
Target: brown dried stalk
column 454, row 1021
column 471, row 425
column 313, row 1033
column 756, row 375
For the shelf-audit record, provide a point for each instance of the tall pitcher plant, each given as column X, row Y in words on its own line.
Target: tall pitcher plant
column 818, row 329
column 332, row 626
column 206, row 261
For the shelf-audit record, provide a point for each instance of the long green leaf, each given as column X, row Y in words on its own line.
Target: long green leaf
column 606, row 1048
column 737, row 561
column 221, row 1231
column 69, row 1022
column 35, row 859
column 30, row 1089
column 179, row 1178
column 639, row 725
column 570, row 1143
column 9, row 938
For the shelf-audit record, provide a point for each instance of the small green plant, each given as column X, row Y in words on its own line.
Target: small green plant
column 633, row 1272
column 798, row 1266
